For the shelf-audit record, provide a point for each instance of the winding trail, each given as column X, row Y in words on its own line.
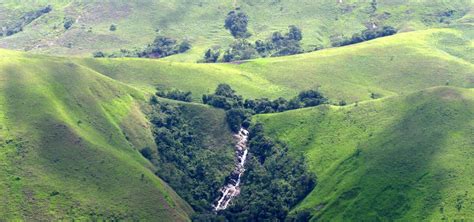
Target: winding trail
column 232, row 189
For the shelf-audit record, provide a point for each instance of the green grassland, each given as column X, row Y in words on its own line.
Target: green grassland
column 405, row 158
column 69, row 140
column 201, row 22
column 71, row 127
column 387, row 66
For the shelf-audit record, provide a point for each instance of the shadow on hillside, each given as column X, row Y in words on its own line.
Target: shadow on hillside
column 400, row 175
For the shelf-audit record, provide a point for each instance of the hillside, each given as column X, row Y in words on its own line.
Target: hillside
column 202, row 22
column 386, row 135
column 400, row 158
column 388, row 66
column 69, row 140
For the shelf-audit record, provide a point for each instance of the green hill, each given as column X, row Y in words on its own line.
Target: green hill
column 74, row 129
column 68, row 146
column 388, row 66
column 202, row 22
column 401, row 158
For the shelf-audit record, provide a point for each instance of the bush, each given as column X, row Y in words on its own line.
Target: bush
column 98, row 54
column 68, row 23
column 212, row 55
column 113, row 27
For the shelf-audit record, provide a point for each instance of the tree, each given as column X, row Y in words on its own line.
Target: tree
column 236, row 23
column 236, row 117
column 294, row 33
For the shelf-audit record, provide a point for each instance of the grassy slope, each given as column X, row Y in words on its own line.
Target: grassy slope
column 407, row 157
column 202, row 22
column 389, row 66
column 64, row 146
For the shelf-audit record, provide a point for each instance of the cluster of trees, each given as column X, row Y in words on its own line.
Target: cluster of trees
column 184, row 162
column 241, row 49
column 273, row 183
column 366, row 35
column 161, row 47
column 175, row 94
column 24, row 20
column 239, row 110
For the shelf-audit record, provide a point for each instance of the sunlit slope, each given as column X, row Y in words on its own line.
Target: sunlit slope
column 388, row 66
column 407, row 158
column 202, row 22
column 69, row 140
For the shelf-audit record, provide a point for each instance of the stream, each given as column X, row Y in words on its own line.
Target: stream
column 232, row 189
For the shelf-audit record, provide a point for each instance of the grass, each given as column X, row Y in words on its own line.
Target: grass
column 64, row 149
column 71, row 127
column 400, row 158
column 202, row 22
column 388, row 66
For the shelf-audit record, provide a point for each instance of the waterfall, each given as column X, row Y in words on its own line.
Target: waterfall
column 232, row 189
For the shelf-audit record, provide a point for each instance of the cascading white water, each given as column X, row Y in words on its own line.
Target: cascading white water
column 232, row 189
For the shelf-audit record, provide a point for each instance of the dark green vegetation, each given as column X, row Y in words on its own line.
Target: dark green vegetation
column 366, row 35
column 273, row 183
column 236, row 22
column 240, row 111
column 175, row 94
column 73, row 131
column 194, row 154
column 161, row 47
column 277, row 45
column 17, row 25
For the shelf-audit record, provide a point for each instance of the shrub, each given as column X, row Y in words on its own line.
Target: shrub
column 212, row 55
column 98, row 54
column 113, row 27
column 68, row 23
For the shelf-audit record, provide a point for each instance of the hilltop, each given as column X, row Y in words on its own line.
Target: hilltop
column 201, row 22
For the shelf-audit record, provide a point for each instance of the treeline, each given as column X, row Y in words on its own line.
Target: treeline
column 241, row 49
column 24, row 20
column 181, row 158
column 161, row 47
column 366, row 35
column 240, row 110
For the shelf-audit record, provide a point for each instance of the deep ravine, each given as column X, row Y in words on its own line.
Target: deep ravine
column 232, row 189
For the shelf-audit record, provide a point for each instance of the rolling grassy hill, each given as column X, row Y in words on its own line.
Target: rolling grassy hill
column 71, row 128
column 201, row 22
column 68, row 145
column 387, row 66
column 401, row 158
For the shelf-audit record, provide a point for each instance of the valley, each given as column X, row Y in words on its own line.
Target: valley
column 278, row 110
